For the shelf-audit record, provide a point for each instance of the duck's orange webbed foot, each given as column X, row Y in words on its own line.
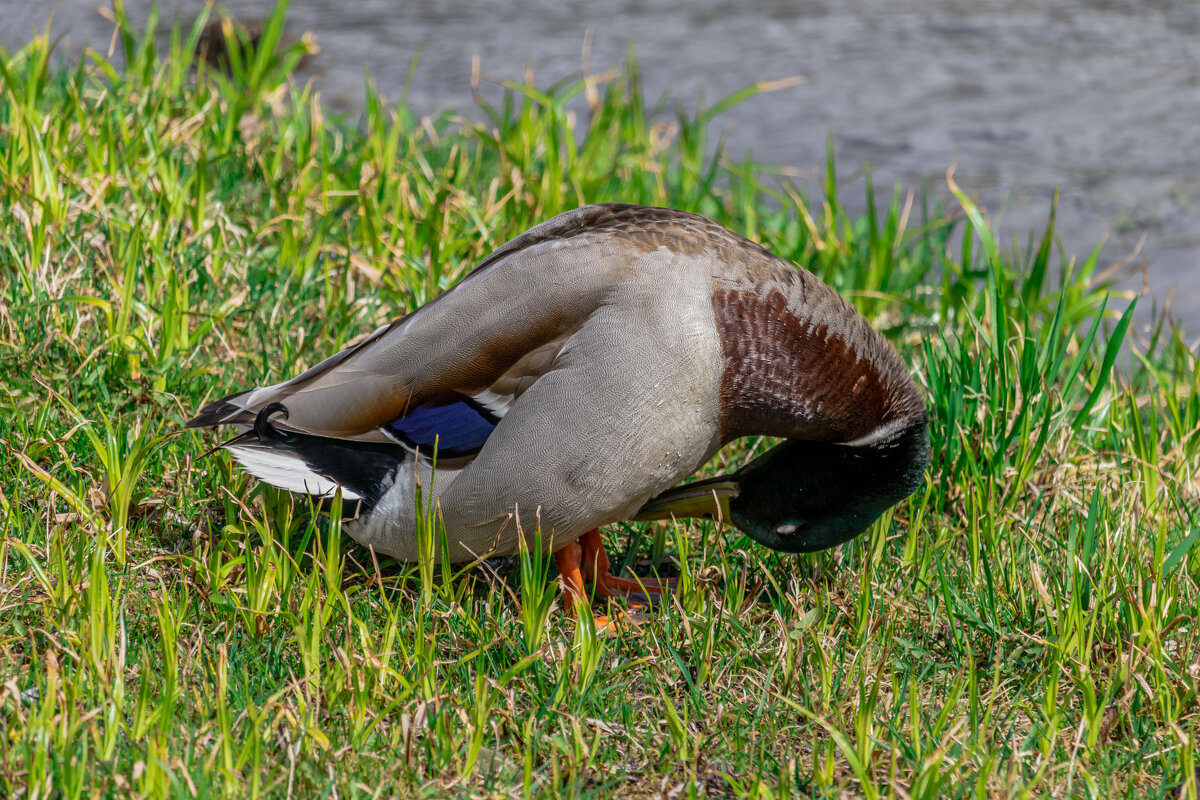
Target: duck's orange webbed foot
column 585, row 560
column 596, row 561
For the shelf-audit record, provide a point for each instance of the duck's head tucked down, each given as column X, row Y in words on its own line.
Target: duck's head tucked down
column 802, row 496
column 578, row 374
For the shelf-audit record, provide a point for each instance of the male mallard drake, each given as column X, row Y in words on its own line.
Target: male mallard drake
column 581, row 371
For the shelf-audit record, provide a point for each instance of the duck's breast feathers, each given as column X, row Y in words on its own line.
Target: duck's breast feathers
column 801, row 362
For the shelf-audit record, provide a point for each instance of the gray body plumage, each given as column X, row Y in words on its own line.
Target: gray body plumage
column 620, row 347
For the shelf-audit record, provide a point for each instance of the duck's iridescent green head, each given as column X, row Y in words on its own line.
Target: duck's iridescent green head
column 802, row 496
column 805, row 496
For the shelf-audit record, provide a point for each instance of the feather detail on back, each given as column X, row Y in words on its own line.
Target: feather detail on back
column 496, row 331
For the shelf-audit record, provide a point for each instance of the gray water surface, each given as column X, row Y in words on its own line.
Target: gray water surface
column 1098, row 97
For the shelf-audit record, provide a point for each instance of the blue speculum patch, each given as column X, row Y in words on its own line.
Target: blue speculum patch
column 458, row 428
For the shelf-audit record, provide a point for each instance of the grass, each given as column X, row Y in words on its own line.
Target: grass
column 1023, row 626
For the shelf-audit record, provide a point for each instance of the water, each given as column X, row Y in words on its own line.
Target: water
column 1098, row 97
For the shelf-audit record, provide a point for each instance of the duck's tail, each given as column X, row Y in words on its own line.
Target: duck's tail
column 317, row 465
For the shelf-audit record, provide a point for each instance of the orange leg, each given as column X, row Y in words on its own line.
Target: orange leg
column 596, row 563
column 585, row 561
column 569, row 559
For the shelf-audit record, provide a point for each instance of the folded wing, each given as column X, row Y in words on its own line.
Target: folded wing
column 452, row 368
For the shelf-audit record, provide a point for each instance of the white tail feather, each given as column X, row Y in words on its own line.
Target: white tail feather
column 287, row 471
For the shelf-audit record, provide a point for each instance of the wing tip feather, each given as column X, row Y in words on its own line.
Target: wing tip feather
column 222, row 412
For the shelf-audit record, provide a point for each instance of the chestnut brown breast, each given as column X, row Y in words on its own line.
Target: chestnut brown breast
column 825, row 375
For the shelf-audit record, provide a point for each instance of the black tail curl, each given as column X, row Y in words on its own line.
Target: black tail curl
column 267, row 433
column 366, row 468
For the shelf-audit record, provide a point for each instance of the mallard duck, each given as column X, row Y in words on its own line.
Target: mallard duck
column 577, row 375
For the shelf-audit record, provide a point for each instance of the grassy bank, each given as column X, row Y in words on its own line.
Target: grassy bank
column 1026, row 624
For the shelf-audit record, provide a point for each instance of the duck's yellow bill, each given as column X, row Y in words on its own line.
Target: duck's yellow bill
column 704, row 499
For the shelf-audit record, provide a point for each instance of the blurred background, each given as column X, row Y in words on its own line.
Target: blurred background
column 1098, row 97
